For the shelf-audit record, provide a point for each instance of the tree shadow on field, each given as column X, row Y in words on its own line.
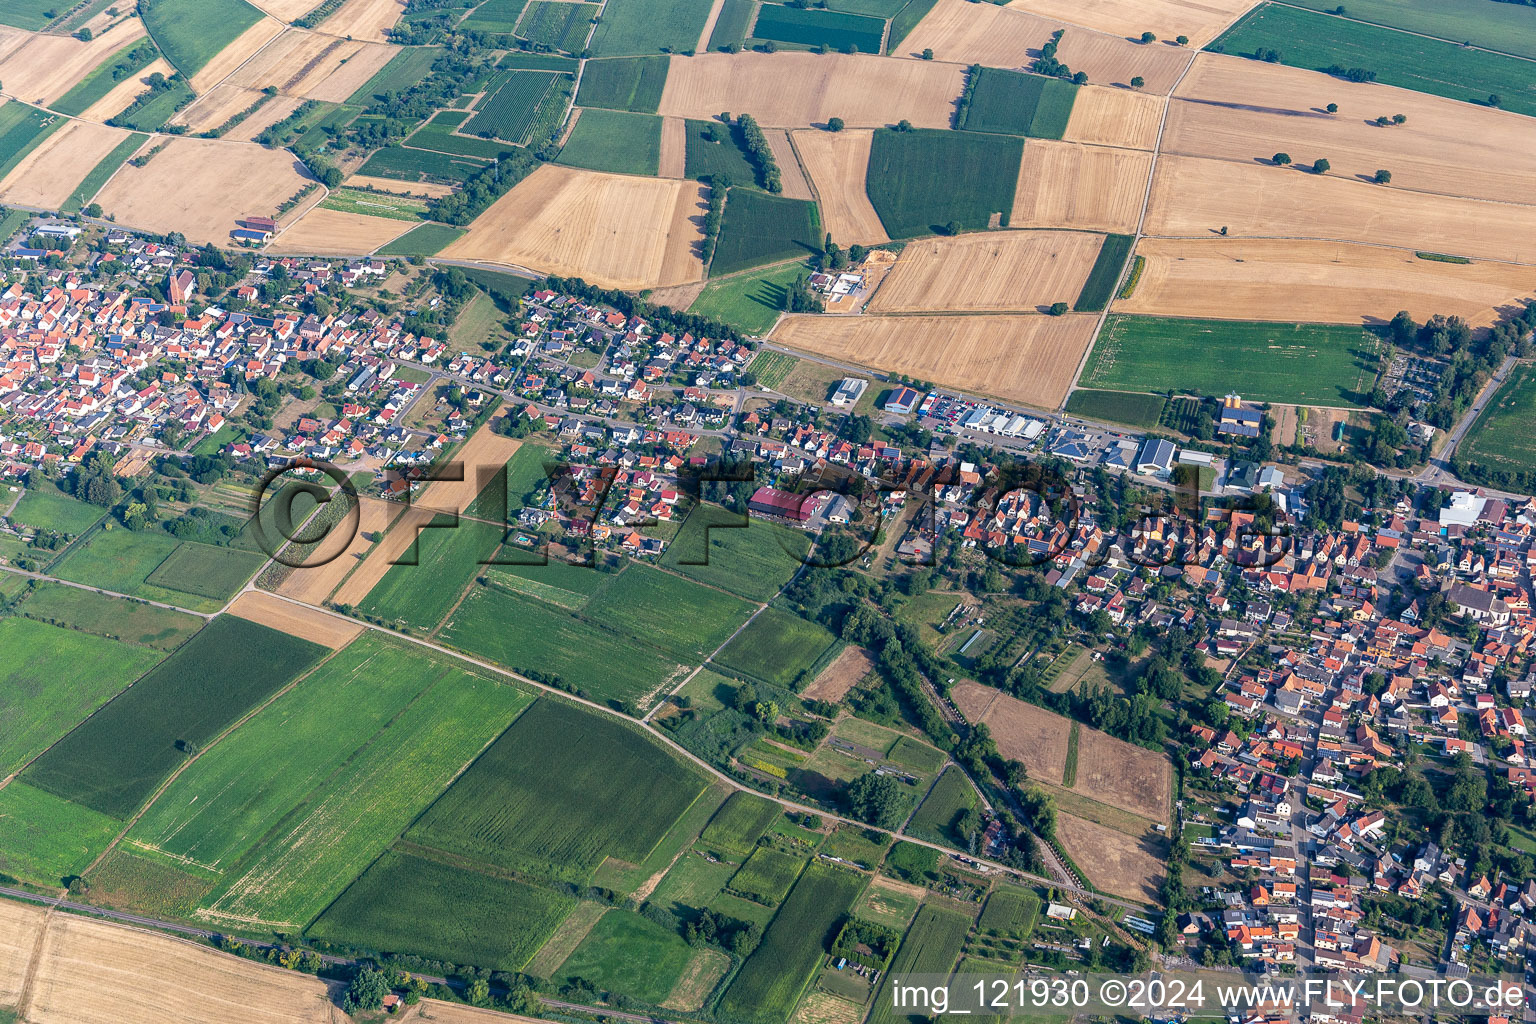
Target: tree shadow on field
column 697, row 220
column 1251, row 108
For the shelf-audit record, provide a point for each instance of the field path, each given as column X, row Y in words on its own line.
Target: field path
column 702, row 46
column 29, row 981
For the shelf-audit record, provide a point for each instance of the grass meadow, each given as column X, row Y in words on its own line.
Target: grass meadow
column 110, row 617
column 950, row 796
column 1130, row 408
column 767, row 875
column 123, row 561
column 1010, row 912
column 1502, row 437
column 22, row 129
column 1492, row 26
column 423, row 240
column 46, row 507
column 627, row 953
column 778, row 648
column 752, row 558
column 736, row 826
column 46, row 839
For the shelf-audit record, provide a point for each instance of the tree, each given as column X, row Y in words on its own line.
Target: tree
column 952, row 228
column 1320, row 166
column 366, row 991
column 834, row 124
column 96, row 482
column 1399, row 118
column 1148, row 37
column 876, row 799
column 903, row 125
column 94, row 210
column 1081, row 78
column 1058, row 308
column 1494, row 100
column 1281, row 159
column 1182, row 40
column 1138, row 82
column 927, row 53
column 1332, row 108
column 1383, row 177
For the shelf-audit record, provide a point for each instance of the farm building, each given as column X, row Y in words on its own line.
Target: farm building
column 1156, row 457
column 770, row 501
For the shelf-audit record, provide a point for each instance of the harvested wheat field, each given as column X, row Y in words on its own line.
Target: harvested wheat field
column 1246, row 111
column 988, row 272
column 482, row 456
column 1093, row 188
column 838, row 163
column 674, row 148
column 1123, row 775
column 1023, row 731
column 1201, row 20
column 335, row 233
column 47, row 175
column 216, row 181
column 969, row 33
column 1316, row 282
column 820, row 1007
column 340, row 552
column 39, row 68
column 125, row 92
column 365, row 19
column 798, row 90
column 271, row 112
column 314, row 66
column 310, row 624
column 1115, row 117
column 834, row 682
column 1122, row 865
column 1026, row 358
column 1196, row 197
column 425, row 189
column 285, row 10
column 216, row 106
column 458, row 1013
column 242, row 49
column 406, row 525
column 794, row 181
column 616, row 231
column 91, row 972
column 19, row 927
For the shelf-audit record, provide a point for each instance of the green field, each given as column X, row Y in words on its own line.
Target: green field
column 51, row 679
column 522, row 60
column 531, row 636
column 207, row 571
column 407, row 904
column 376, row 204
column 1306, row 39
column 732, row 24
column 556, row 583
column 558, row 792
column 447, row 559
column 22, row 128
column 918, row 756
column 1492, row 26
column 767, row 875
column 931, row 946
column 627, row 953
column 45, row 839
column 119, row 755
column 891, row 907
column 512, row 110
column 752, row 302
column 226, row 801
column 771, row 368
column 754, row 561
column 1010, row 912
column 628, row 83
column 769, row 984
column 1104, row 279
column 835, row 30
column 950, row 796
column 424, row 240
column 405, row 69
column 1136, row 410
column 494, row 16
column 1305, row 364
column 192, row 32
column 864, row 847
column 921, row 181
column 414, row 164
column 123, row 561
column 1502, row 438
column 46, row 507
column 506, row 289
column 777, row 647
column 905, row 21
column 653, row 27
column 614, row 140
column 437, row 134
column 327, row 841
column 559, row 24
column 714, row 148
column 158, row 109
column 735, row 827
column 758, row 228
column 92, row 183
column 123, row 64
column 685, row 619
column 32, row 15
column 1012, row 103
column 111, row 617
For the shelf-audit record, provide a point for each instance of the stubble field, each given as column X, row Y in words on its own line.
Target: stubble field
column 1113, row 861
column 365, row 19
column 1115, row 117
column 1066, row 185
column 244, row 46
column 125, row 92
column 315, row 66
column 40, row 68
column 48, row 174
column 1002, row 271
column 838, row 163
column 1027, row 359
column 1023, row 731
column 333, row 232
column 1123, row 775
column 615, row 231
column 1201, row 20
column 295, row 620
column 340, row 555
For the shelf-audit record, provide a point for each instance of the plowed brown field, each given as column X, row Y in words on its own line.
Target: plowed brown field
column 1063, row 184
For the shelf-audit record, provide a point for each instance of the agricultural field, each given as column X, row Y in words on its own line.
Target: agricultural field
column 1104, row 280
column 1501, row 439
column 522, row 103
column 671, row 26
column 47, row 507
column 411, row 904
column 922, row 182
column 104, row 169
column 422, row 588
column 239, row 790
column 1020, row 104
column 49, row 175
column 631, row 954
column 631, row 83
column 735, row 828
column 118, row 756
column 129, row 562
column 42, row 68
column 770, row 983
column 767, row 875
column 557, row 793
column 931, row 946
column 614, row 141
column 32, row 15
column 423, row 240
column 212, row 572
column 1123, row 775
column 685, row 620
column 777, row 648
column 1023, row 731
column 438, row 135
column 802, row 90
column 889, row 902
column 558, row 23
column 45, row 839
column 951, row 796
column 1009, row 912
column 376, row 204
column 110, row 617
column 712, row 148
column 1200, row 20
column 1115, row 117
column 298, row 869
column 1307, row 364
column 530, row 636
column 414, row 164
column 1440, row 67
column 1122, row 865
column 405, row 69
column 495, row 16
column 123, row 66
column 615, row 231
column 849, row 33
column 23, row 128
column 1132, row 409
column 731, row 25
column 1004, row 271
column 1491, row 27
column 1028, row 359
column 863, row 847
column 838, row 164
column 325, row 230
column 192, row 32
column 749, row 302
column 758, row 228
